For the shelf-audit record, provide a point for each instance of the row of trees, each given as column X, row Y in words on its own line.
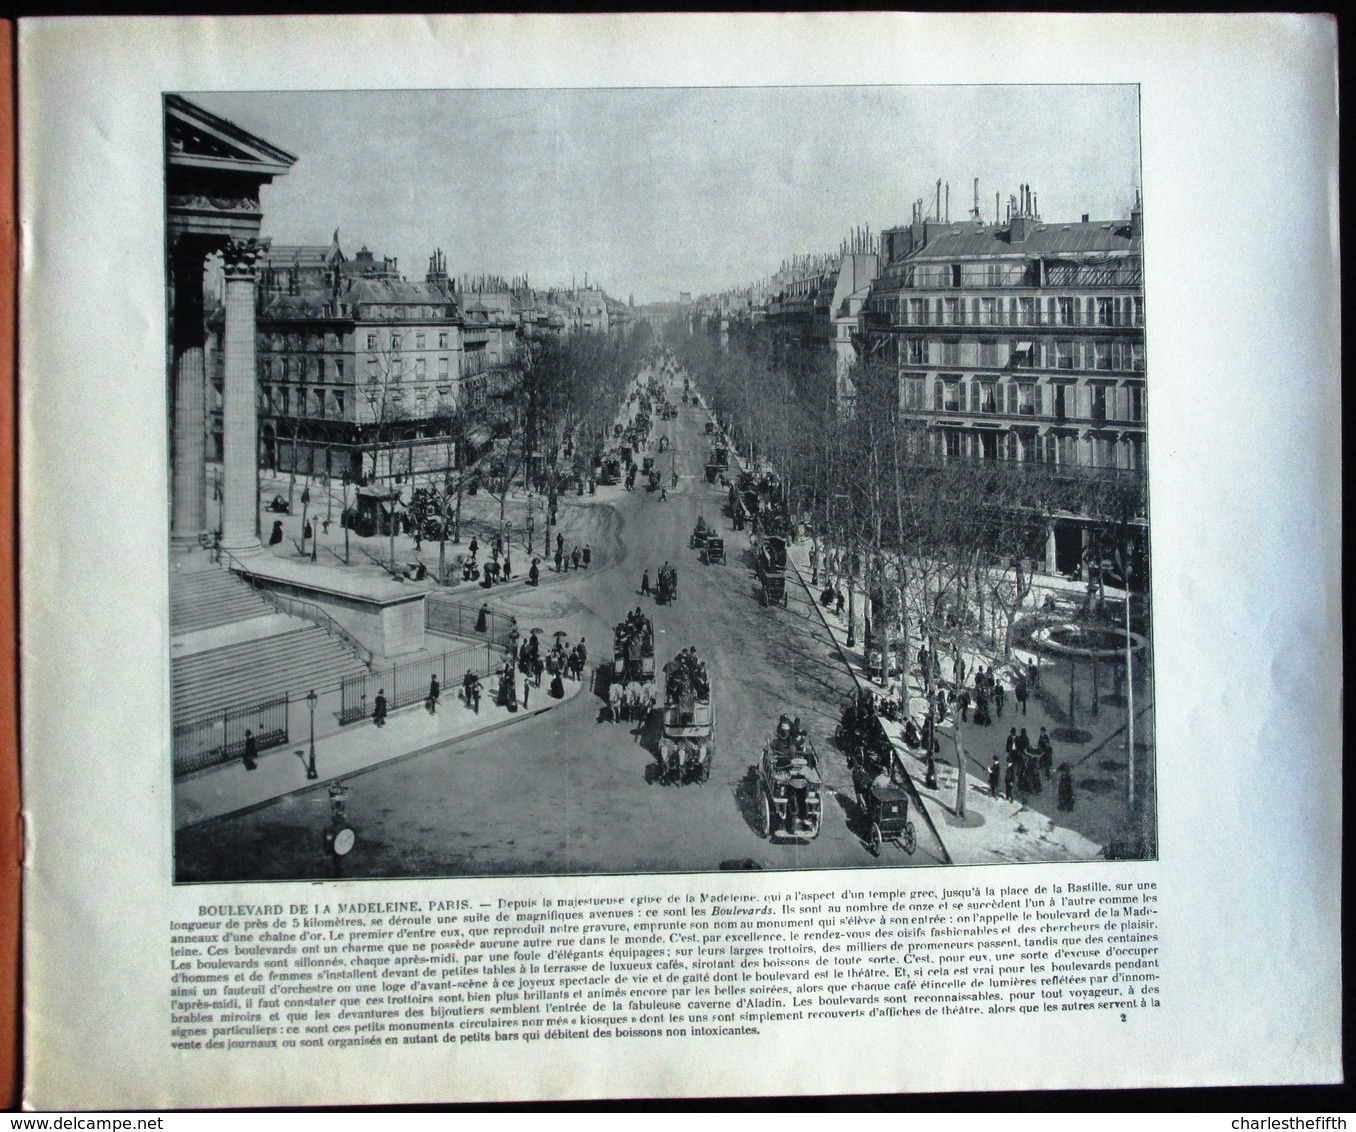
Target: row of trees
column 943, row 546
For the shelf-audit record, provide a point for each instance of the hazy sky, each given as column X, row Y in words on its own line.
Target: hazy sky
column 658, row 191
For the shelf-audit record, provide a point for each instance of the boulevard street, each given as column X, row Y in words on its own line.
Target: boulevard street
column 570, row 791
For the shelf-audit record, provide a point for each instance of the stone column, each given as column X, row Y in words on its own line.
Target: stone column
column 188, row 518
column 240, row 472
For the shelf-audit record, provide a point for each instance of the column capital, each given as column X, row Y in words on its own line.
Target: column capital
column 239, row 257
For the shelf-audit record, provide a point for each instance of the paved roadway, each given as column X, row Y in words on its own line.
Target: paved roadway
column 568, row 792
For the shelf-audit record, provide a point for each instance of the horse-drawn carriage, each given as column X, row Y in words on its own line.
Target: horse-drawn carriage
column 877, row 779
column 884, row 805
column 720, row 456
column 771, row 568
column 666, row 589
column 789, row 785
column 630, row 691
column 705, row 540
column 609, row 472
column 689, row 723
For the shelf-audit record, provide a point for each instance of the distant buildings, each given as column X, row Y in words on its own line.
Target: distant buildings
column 364, row 372
column 1018, row 342
column 1022, row 341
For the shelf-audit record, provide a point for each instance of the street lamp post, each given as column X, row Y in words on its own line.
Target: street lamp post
column 311, row 772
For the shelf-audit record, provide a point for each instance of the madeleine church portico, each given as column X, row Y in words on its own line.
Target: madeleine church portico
column 213, row 174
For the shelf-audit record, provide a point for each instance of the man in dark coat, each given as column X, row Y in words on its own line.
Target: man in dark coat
column 995, row 777
column 1019, row 690
column 645, row 582
column 379, row 709
column 433, row 692
column 251, row 750
column 998, row 695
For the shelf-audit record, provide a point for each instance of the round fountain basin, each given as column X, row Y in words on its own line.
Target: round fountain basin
column 1093, row 642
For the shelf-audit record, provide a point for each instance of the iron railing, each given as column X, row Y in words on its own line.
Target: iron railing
column 297, row 607
column 444, row 615
column 408, row 683
column 220, row 736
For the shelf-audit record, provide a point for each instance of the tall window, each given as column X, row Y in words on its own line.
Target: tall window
column 1098, row 402
column 1064, row 354
column 988, row 352
column 395, row 341
column 1101, row 354
column 951, row 352
column 952, row 401
column 1027, row 404
column 988, row 391
column 914, row 393
column 421, row 368
column 1106, row 312
column 1135, row 396
column 1028, row 311
column 1138, row 308
column 371, row 341
column 442, row 339
column 372, row 371
column 916, row 351
column 339, row 369
column 1067, row 310
column 955, row 312
column 442, row 369
column 918, row 312
column 991, row 311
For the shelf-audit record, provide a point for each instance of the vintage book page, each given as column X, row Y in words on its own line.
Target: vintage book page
column 666, row 374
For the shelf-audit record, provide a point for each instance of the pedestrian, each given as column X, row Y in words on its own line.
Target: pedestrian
column 838, row 603
column 1010, row 780
column 379, row 709
column 526, row 685
column 1033, row 675
column 1066, row 791
column 645, row 582
column 306, row 531
column 470, row 691
column 433, row 693
column 251, row 750
column 995, row 777
column 930, row 777
column 588, row 555
column 474, row 547
column 963, row 702
column 958, row 669
column 1045, row 751
column 557, row 689
column 1019, row 690
column 560, row 543
column 508, row 567
column 481, row 618
column 583, row 657
column 534, row 573
column 277, row 535
column 998, row 696
column 325, row 526
column 498, row 545
column 538, row 667
column 574, row 557
column 663, row 494
column 558, row 557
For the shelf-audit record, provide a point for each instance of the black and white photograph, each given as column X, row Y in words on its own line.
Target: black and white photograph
column 617, row 481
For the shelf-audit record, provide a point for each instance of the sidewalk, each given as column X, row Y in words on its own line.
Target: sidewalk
column 230, row 789
column 993, row 830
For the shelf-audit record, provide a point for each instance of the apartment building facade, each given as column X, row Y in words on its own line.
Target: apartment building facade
column 1019, row 342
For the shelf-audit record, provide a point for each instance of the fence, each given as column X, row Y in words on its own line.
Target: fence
column 220, row 736
column 445, row 616
column 405, row 684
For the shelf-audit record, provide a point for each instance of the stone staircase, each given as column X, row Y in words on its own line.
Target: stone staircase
column 296, row 661
column 206, row 598
column 231, row 648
